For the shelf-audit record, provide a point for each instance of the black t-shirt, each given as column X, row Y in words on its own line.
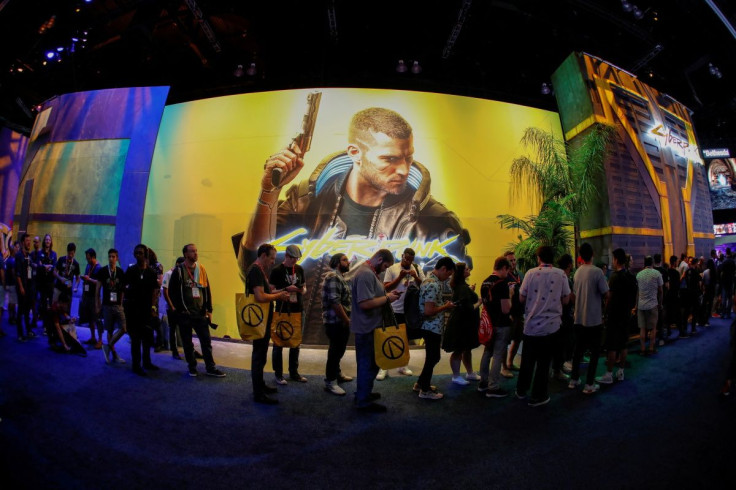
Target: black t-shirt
column 255, row 277
column 89, row 289
column 357, row 218
column 139, row 287
column 112, row 282
column 673, row 283
column 726, row 272
column 499, row 290
column 68, row 269
column 281, row 277
column 10, row 271
column 623, row 291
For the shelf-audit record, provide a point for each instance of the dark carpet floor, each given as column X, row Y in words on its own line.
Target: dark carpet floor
column 72, row 422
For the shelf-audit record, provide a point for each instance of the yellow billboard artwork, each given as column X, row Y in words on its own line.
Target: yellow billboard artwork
column 385, row 169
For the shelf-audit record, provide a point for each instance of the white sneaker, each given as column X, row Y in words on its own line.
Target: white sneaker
column 606, row 379
column 405, row 371
column 460, row 381
column 472, row 377
column 334, row 388
column 590, row 389
column 620, row 375
column 382, row 373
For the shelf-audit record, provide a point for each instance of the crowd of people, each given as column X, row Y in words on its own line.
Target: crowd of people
column 563, row 316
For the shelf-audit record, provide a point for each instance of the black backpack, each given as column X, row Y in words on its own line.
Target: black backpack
column 412, row 314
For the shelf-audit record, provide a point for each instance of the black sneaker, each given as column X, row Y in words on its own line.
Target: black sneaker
column 269, row 390
column 265, row 400
column 537, row 403
column 497, row 393
column 482, row 387
column 193, row 372
column 139, row 371
column 151, row 367
column 373, row 408
column 216, row 373
column 31, row 335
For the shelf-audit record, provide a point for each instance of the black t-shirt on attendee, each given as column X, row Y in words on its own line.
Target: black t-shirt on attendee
column 499, row 291
column 281, row 277
column 139, row 287
column 89, row 289
column 113, row 281
column 623, row 290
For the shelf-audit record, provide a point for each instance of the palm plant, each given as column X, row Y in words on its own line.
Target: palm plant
column 562, row 180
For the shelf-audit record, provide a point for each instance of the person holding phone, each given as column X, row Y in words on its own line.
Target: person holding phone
column 399, row 277
column 289, row 277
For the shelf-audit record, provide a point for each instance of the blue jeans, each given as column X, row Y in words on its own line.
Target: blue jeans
column 497, row 350
column 367, row 368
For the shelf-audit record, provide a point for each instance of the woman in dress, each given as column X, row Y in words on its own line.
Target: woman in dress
column 461, row 332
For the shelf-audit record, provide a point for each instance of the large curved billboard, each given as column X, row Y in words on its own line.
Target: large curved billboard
column 431, row 172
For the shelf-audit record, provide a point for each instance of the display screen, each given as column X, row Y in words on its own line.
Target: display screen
column 437, row 189
column 722, row 182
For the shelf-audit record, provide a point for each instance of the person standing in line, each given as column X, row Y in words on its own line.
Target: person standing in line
column 141, row 309
column 11, row 285
column 45, row 258
column 25, row 273
column 256, row 283
column 398, row 277
column 565, row 344
column 496, row 292
column 545, row 291
column 171, row 311
column 191, row 295
column 661, row 320
column 461, row 332
column 89, row 307
column 336, row 305
column 649, row 304
column 517, row 317
column 369, row 298
column 591, row 290
column 111, row 280
column 288, row 276
column 432, row 307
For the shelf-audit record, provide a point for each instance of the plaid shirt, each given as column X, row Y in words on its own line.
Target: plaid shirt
column 334, row 291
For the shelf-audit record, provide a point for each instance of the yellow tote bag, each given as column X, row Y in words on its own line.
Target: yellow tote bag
column 286, row 328
column 390, row 342
column 252, row 316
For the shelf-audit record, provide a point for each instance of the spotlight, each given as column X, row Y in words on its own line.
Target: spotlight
column 626, row 6
column 416, row 68
column 401, row 67
column 546, row 88
column 75, row 39
column 50, row 55
column 714, row 71
column 59, row 49
column 251, row 70
column 239, row 72
column 638, row 14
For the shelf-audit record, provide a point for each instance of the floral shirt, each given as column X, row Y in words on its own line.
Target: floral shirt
column 431, row 291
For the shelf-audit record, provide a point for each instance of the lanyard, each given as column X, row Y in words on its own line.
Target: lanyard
column 112, row 272
column 190, row 274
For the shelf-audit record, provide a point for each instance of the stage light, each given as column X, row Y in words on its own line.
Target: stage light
column 401, row 67
column 50, row 55
column 714, row 71
column 416, row 68
column 546, row 88
column 239, row 72
column 626, row 6
column 638, row 14
column 251, row 70
column 75, row 39
column 59, row 49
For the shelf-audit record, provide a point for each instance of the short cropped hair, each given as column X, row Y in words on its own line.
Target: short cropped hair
column 546, row 254
column 445, row 262
column 648, row 260
column 620, row 255
column 71, row 247
column 265, row 248
column 113, row 251
column 500, row 263
column 565, row 261
column 586, row 251
column 377, row 120
column 385, row 255
column 185, row 247
column 657, row 258
column 91, row 252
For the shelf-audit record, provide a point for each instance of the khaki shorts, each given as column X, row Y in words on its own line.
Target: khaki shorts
column 647, row 318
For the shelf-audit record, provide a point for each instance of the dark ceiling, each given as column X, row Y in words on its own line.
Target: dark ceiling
column 502, row 50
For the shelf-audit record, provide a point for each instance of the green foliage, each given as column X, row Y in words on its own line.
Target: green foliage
column 562, row 181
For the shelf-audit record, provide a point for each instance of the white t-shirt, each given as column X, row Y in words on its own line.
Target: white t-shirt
column 544, row 287
column 391, row 274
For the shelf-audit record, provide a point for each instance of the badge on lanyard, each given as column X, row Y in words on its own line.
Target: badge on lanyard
column 195, row 292
column 113, row 296
column 30, row 273
column 86, row 288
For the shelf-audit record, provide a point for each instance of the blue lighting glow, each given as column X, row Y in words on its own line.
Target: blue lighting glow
column 60, row 49
column 50, row 55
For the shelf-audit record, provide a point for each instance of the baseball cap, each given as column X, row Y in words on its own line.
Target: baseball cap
column 293, row 251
